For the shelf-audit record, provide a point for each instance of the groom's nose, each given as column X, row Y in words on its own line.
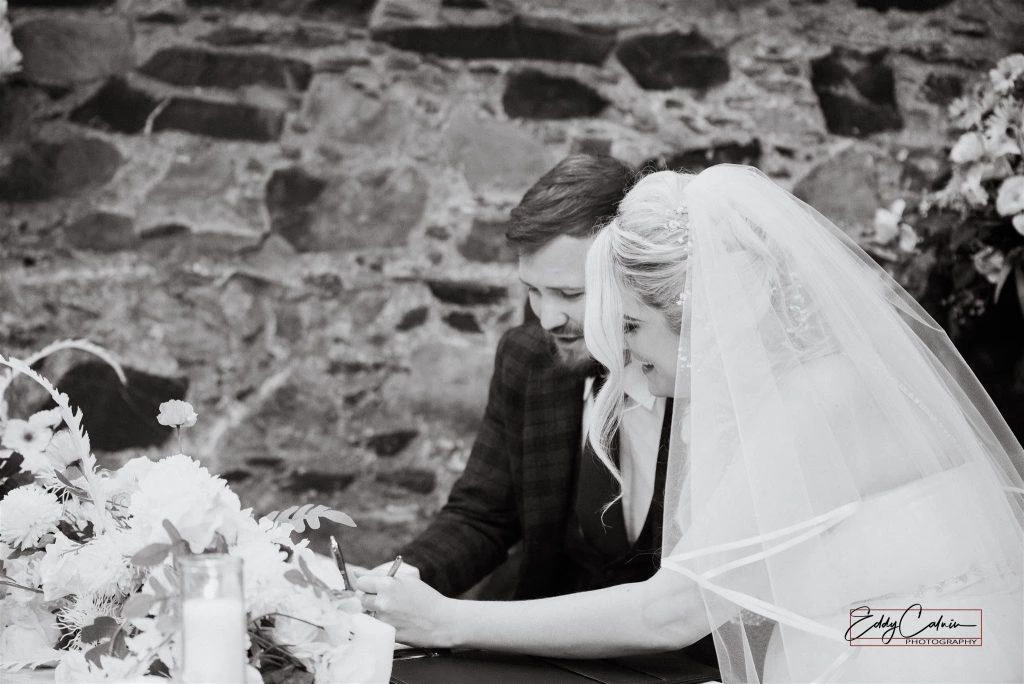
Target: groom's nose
column 551, row 315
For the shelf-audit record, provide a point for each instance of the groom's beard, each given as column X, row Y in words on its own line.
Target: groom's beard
column 569, row 349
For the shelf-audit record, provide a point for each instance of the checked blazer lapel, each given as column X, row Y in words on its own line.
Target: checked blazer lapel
column 552, row 420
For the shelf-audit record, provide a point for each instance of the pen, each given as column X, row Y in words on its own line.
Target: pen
column 340, row 560
column 394, row 566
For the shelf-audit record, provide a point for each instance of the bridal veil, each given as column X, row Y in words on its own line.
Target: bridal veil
column 830, row 450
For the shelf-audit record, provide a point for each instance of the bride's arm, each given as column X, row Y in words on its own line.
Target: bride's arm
column 661, row 614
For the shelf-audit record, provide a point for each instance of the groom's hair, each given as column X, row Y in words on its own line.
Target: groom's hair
column 578, row 197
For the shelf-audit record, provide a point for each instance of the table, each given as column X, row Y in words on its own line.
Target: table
column 471, row 667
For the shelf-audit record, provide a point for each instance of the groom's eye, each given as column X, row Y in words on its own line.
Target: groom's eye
column 571, row 295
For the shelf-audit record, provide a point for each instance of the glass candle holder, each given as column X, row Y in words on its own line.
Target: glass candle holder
column 212, row 620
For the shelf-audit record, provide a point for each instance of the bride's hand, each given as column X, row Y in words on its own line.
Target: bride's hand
column 419, row 613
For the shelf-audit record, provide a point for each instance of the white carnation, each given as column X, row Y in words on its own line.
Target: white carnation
column 28, row 513
column 177, row 413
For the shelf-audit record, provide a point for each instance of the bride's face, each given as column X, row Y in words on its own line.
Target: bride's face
column 651, row 343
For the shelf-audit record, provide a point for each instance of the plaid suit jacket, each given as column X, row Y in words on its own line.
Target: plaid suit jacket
column 518, row 479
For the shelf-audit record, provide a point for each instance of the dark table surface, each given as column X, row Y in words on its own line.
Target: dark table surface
column 466, row 667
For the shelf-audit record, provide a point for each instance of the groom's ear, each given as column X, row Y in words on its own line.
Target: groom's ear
column 529, row 316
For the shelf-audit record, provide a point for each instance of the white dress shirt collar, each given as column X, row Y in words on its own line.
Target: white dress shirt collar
column 634, row 385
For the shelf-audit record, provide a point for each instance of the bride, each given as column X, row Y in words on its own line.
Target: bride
column 838, row 479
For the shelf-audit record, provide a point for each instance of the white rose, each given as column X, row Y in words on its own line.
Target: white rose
column 887, row 221
column 1010, row 199
column 29, row 632
column 970, row 147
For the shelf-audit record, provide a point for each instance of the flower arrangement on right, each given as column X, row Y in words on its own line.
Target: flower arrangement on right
column 980, row 207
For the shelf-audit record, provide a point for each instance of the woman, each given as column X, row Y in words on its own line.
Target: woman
column 832, row 456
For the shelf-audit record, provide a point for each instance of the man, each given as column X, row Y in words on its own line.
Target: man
column 531, row 479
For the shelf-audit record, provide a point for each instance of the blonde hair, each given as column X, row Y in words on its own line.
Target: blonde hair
column 643, row 251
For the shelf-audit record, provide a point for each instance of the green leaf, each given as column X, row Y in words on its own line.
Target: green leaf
column 296, row 577
column 338, row 517
column 119, row 645
column 151, row 555
column 138, row 606
column 74, row 489
column 172, row 531
column 94, row 653
column 158, row 587
column 103, row 627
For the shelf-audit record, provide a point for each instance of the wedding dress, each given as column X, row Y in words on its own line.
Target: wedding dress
column 831, row 451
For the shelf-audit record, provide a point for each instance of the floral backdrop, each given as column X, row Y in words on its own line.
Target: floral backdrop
column 290, row 213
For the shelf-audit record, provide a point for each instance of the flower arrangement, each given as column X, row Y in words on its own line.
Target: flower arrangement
column 979, row 234
column 10, row 58
column 87, row 557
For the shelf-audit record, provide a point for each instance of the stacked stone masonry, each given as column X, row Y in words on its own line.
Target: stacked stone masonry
column 291, row 212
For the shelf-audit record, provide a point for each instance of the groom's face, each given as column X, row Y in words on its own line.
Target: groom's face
column 554, row 277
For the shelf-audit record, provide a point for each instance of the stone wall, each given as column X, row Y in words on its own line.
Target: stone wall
column 291, row 211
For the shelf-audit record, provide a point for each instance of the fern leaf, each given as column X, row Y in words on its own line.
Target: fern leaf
column 73, row 419
column 308, row 515
column 7, row 377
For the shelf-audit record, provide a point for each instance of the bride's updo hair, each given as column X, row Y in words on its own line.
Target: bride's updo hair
column 650, row 242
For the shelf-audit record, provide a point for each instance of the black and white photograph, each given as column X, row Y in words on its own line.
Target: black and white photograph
column 511, row 341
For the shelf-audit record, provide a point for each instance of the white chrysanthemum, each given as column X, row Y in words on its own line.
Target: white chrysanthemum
column 182, row 491
column 81, row 610
column 101, row 566
column 999, row 135
column 1018, row 223
column 177, row 413
column 28, row 513
column 1010, row 200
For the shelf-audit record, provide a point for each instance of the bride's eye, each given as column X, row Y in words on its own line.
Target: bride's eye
column 629, row 327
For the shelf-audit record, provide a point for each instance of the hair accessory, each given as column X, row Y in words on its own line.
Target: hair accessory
column 680, row 222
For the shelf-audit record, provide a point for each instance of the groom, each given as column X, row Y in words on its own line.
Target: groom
column 532, row 478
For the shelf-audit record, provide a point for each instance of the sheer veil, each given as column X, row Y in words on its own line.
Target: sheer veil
column 830, row 448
